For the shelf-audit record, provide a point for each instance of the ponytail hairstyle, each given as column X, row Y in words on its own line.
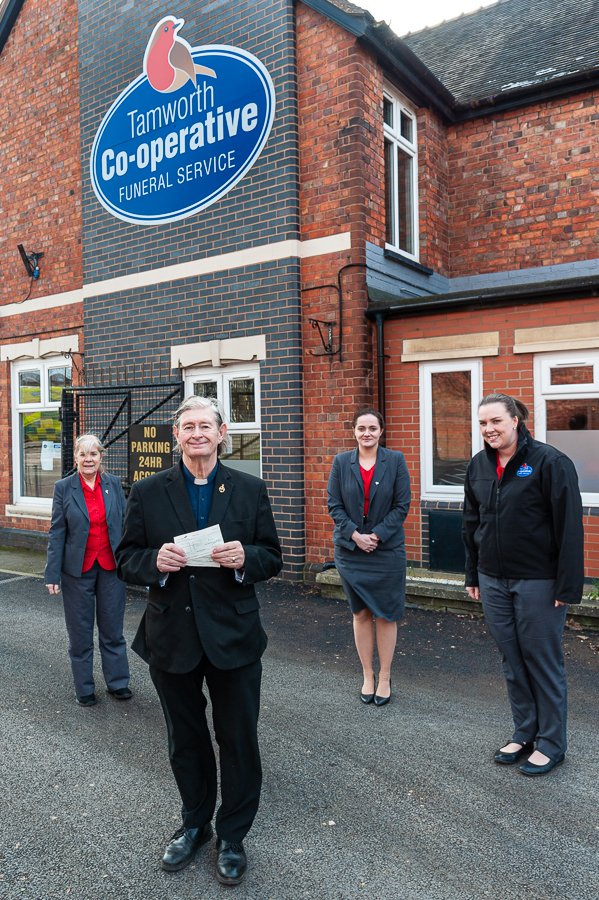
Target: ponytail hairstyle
column 515, row 408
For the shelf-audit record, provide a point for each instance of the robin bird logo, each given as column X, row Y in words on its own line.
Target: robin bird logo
column 168, row 63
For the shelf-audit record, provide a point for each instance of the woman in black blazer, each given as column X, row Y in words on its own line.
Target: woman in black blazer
column 87, row 522
column 369, row 498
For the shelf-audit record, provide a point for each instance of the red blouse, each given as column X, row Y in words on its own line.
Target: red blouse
column 500, row 469
column 366, row 480
column 98, row 542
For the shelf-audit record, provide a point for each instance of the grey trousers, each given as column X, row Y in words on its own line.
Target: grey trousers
column 96, row 595
column 528, row 630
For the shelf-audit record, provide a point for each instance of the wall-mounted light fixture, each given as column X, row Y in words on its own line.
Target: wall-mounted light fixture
column 30, row 261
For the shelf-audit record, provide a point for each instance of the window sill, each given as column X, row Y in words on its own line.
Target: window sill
column 28, row 511
column 407, row 261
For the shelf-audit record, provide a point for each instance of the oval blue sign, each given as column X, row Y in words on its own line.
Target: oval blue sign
column 184, row 132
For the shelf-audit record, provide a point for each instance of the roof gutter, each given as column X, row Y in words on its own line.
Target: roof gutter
column 424, row 88
column 550, row 291
column 394, row 55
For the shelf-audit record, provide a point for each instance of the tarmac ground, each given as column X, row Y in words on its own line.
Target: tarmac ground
column 398, row 803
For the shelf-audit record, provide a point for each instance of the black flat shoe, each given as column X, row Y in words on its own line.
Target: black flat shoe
column 121, row 693
column 87, row 700
column 183, row 846
column 508, row 759
column 231, row 862
column 529, row 768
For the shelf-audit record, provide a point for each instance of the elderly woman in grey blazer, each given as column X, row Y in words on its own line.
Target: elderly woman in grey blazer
column 369, row 498
column 87, row 521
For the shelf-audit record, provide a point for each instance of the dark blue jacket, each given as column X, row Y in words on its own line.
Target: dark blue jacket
column 528, row 525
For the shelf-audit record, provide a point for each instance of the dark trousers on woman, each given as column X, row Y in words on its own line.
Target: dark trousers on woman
column 235, row 698
column 528, row 630
column 97, row 595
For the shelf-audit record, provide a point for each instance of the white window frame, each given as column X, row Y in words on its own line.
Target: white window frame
column 544, row 390
column 429, row 490
column 222, row 376
column 392, row 134
column 26, row 501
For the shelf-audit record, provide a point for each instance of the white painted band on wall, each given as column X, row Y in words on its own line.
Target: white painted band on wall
column 252, row 256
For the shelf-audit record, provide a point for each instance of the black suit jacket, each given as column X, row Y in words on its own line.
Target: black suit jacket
column 199, row 610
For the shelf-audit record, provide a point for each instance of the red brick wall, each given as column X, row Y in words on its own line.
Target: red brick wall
column 341, row 173
column 40, row 187
column 523, row 187
column 433, row 192
column 508, row 372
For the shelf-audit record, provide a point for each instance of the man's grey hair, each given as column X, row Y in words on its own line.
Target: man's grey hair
column 209, row 403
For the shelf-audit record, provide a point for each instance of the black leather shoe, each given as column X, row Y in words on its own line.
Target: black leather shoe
column 121, row 693
column 381, row 701
column 508, row 759
column 87, row 700
column 529, row 768
column 231, row 862
column 183, row 846
column 367, row 698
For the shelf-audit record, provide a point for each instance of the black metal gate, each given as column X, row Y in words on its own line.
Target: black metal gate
column 109, row 412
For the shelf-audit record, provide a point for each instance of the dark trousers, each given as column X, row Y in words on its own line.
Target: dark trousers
column 528, row 630
column 235, row 697
column 99, row 596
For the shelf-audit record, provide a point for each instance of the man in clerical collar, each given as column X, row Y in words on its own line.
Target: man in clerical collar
column 202, row 625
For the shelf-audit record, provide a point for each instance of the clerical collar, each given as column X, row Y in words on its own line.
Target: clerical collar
column 199, row 481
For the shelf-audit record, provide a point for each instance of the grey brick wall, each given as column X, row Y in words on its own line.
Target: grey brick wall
column 132, row 326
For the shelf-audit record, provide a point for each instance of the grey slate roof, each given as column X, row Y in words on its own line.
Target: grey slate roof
column 495, row 54
column 511, row 45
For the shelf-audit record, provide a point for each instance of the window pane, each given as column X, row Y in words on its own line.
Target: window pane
column 406, row 127
column 242, row 402
column 58, row 379
column 389, row 194
column 388, row 112
column 40, row 452
column 572, row 375
column 405, row 201
column 573, row 427
column 452, row 433
column 245, row 454
column 30, row 386
column 205, row 389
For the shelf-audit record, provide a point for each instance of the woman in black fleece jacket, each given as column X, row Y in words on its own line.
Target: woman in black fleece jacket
column 524, row 561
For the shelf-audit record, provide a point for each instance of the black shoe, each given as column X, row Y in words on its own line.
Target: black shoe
column 367, row 698
column 87, row 700
column 231, row 862
column 121, row 693
column 529, row 768
column 381, row 701
column 183, row 846
column 508, row 759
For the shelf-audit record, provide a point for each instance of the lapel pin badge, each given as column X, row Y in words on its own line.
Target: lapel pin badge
column 221, row 489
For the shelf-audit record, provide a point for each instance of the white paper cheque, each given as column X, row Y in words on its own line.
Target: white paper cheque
column 199, row 544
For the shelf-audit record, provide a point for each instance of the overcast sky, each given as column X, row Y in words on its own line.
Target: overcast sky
column 412, row 15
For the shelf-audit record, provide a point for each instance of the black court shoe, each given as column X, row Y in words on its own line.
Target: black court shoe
column 382, row 701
